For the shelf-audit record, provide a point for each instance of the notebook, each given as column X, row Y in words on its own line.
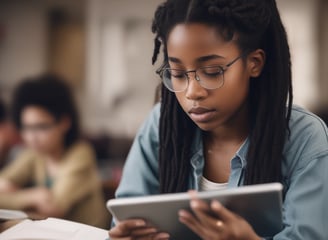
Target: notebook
column 53, row 229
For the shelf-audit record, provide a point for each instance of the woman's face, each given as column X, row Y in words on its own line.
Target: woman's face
column 41, row 131
column 191, row 46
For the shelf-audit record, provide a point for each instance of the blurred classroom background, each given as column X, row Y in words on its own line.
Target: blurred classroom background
column 103, row 49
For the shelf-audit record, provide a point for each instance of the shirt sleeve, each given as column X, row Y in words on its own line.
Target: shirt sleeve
column 140, row 173
column 77, row 178
column 21, row 170
column 305, row 209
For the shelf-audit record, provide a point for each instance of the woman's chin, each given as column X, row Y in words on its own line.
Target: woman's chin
column 207, row 127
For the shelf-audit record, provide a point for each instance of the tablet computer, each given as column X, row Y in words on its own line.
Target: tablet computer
column 260, row 205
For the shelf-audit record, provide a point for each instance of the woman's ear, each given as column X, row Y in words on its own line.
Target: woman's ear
column 256, row 61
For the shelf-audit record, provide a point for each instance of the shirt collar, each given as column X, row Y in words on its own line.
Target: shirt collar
column 242, row 152
column 197, row 148
column 197, row 145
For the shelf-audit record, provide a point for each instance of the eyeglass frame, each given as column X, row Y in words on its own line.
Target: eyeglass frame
column 223, row 70
column 38, row 128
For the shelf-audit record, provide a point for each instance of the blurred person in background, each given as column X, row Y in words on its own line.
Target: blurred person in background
column 57, row 175
column 10, row 143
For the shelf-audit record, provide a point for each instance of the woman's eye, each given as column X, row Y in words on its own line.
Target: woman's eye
column 177, row 74
column 212, row 72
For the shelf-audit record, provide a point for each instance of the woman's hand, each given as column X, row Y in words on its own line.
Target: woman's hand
column 215, row 222
column 40, row 203
column 7, row 186
column 135, row 229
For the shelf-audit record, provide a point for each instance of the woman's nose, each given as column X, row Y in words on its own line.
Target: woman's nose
column 194, row 90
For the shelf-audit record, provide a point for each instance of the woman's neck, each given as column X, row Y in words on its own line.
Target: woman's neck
column 221, row 145
column 235, row 130
column 56, row 154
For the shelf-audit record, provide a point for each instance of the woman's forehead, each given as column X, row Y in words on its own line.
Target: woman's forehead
column 36, row 112
column 198, row 38
column 194, row 31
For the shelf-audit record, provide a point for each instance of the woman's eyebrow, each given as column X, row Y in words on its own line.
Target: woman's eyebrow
column 175, row 60
column 208, row 57
column 198, row 60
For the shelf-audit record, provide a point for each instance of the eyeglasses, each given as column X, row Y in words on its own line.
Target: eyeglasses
column 211, row 77
column 38, row 128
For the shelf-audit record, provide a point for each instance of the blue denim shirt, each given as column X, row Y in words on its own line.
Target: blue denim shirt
column 304, row 169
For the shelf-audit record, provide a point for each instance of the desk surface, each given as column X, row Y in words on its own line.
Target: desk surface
column 8, row 224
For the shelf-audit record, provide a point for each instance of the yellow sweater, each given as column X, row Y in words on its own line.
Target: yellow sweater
column 76, row 188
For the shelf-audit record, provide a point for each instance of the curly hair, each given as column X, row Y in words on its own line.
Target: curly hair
column 51, row 93
column 257, row 25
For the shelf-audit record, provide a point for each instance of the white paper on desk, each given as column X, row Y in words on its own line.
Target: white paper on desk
column 6, row 214
column 53, row 229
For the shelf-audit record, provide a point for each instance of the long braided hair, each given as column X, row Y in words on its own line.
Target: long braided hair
column 257, row 25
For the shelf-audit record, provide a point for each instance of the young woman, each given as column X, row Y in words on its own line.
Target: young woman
column 226, row 119
column 57, row 174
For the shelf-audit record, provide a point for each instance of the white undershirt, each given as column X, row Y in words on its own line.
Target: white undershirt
column 207, row 185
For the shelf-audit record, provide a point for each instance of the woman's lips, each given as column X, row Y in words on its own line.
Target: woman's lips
column 201, row 114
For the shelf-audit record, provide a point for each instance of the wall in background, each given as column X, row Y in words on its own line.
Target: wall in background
column 30, row 44
column 121, row 82
column 23, row 43
column 300, row 18
column 323, row 56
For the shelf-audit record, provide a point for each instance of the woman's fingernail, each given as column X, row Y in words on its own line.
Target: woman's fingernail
column 193, row 204
column 140, row 223
column 216, row 204
column 162, row 235
column 192, row 193
column 182, row 213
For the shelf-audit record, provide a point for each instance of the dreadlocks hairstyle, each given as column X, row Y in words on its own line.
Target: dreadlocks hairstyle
column 257, row 25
